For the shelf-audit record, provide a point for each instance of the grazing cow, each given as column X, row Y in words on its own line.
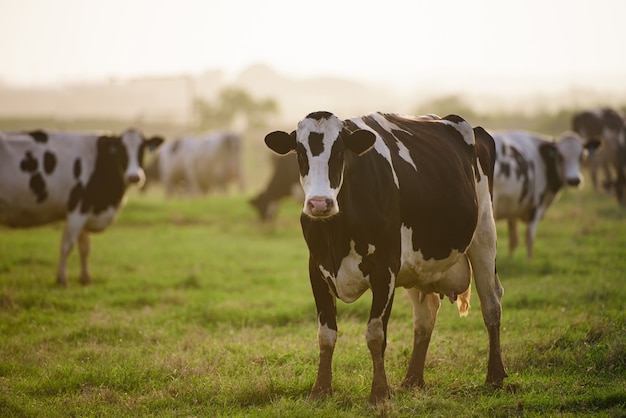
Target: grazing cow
column 283, row 183
column 199, row 165
column 394, row 201
column 530, row 171
column 608, row 128
column 51, row 176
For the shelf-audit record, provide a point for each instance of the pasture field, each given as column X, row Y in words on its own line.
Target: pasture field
column 196, row 309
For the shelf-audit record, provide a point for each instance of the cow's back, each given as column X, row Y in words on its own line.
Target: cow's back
column 433, row 166
column 37, row 176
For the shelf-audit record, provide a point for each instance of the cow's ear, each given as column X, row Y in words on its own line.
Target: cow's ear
column 359, row 141
column 281, row 142
column 592, row 145
column 154, row 142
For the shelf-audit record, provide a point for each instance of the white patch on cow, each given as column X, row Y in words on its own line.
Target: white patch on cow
column 317, row 183
column 464, row 128
column 388, row 126
column 97, row 223
column 379, row 146
column 350, row 282
column 326, row 337
column 415, row 271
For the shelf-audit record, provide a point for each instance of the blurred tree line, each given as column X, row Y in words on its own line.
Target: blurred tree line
column 235, row 109
column 232, row 103
column 544, row 122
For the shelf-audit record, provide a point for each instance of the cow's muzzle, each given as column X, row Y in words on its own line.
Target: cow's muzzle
column 320, row 207
column 574, row 181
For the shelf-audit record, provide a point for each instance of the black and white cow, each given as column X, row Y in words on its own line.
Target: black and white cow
column 51, row 176
column 394, row 201
column 196, row 165
column 530, row 171
column 284, row 182
column 608, row 128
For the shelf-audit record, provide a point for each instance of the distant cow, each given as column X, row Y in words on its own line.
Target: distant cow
column 393, row 201
column 284, row 182
column 607, row 127
column 51, row 176
column 200, row 164
column 530, row 171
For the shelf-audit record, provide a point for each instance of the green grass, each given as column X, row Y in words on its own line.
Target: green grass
column 198, row 310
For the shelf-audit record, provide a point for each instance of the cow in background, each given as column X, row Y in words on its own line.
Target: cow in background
column 284, row 182
column 530, row 171
column 393, row 201
column 51, row 176
column 608, row 128
column 197, row 165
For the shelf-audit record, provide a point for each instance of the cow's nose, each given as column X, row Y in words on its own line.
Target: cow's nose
column 133, row 178
column 573, row 181
column 319, row 206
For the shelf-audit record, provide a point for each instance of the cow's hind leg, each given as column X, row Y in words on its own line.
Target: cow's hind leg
column 425, row 308
column 513, row 235
column 482, row 255
column 326, row 332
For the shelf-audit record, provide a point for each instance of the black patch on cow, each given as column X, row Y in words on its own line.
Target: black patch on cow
column 505, row 169
column 39, row 136
column 78, row 168
column 38, row 186
column 319, row 115
column 486, row 151
column 303, row 160
column 550, row 155
column 29, row 163
column 76, row 195
column 284, row 177
column 454, row 118
column 316, row 143
column 106, row 185
column 49, row 162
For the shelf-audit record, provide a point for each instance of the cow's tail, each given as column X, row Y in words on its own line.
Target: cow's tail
column 463, row 301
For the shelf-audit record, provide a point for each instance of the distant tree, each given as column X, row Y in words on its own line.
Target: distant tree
column 232, row 103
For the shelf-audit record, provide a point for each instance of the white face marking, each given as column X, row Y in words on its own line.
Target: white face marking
column 570, row 147
column 133, row 140
column 316, row 183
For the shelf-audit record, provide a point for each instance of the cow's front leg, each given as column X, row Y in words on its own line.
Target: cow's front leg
column 84, row 247
column 73, row 227
column 425, row 308
column 326, row 332
column 382, row 300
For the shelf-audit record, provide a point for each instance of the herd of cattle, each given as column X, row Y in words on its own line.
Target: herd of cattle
column 389, row 201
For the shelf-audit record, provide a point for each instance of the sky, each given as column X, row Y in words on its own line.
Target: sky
column 400, row 42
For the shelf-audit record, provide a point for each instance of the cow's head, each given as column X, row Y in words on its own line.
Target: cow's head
column 133, row 146
column 320, row 141
column 563, row 159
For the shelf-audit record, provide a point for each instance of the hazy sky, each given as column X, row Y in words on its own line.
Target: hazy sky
column 51, row 41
